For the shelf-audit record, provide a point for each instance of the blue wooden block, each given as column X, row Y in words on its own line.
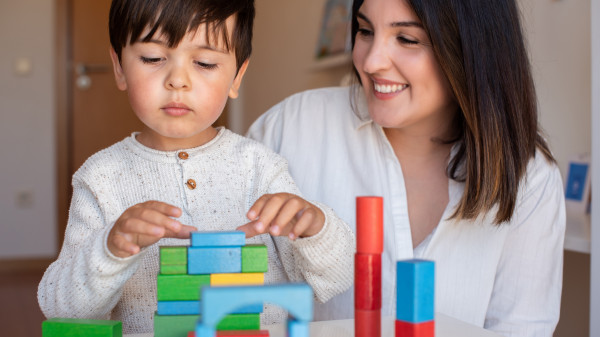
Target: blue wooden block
column 296, row 298
column 218, row 239
column 415, row 285
column 214, row 260
column 194, row 308
column 297, row 328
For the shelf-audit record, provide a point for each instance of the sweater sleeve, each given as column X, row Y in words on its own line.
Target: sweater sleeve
column 526, row 296
column 86, row 280
column 324, row 260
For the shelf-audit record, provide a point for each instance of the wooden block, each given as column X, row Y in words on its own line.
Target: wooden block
column 367, row 281
column 415, row 290
column 407, row 329
column 238, row 333
column 194, row 308
column 367, row 323
column 180, row 287
column 369, row 225
column 173, row 255
column 297, row 299
column 218, row 239
column 173, row 269
column 214, row 260
column 297, row 328
column 237, row 279
column 255, row 259
column 239, row 322
column 180, row 325
column 73, row 327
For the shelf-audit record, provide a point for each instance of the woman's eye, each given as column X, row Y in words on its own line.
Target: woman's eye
column 404, row 40
column 204, row 65
column 364, row 32
column 150, row 60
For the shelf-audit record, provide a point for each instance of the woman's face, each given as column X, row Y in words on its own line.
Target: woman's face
column 403, row 82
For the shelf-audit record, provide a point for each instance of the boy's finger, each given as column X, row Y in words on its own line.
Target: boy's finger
column 256, row 209
column 249, row 229
column 269, row 211
column 142, row 227
column 124, row 246
column 164, row 208
column 286, row 217
column 153, row 216
column 183, row 233
column 303, row 223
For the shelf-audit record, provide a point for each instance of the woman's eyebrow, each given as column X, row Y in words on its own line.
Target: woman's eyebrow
column 393, row 24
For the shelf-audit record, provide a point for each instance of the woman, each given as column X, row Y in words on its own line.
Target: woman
column 444, row 126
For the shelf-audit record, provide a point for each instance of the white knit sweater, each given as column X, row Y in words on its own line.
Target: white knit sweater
column 231, row 172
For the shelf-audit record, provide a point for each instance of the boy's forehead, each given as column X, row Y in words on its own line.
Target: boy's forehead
column 206, row 33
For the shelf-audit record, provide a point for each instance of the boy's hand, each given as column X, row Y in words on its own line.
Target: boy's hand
column 283, row 214
column 144, row 224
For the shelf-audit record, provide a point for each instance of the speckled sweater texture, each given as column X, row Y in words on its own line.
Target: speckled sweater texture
column 231, row 173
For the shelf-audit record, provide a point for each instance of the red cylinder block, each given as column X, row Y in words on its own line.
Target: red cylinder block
column 369, row 225
column 367, row 323
column 407, row 329
column 367, row 281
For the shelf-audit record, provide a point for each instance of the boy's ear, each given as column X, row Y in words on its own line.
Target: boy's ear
column 237, row 81
column 118, row 70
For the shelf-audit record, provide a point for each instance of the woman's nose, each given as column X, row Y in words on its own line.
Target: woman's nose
column 377, row 57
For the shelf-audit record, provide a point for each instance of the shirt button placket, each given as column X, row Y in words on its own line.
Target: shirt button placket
column 190, row 183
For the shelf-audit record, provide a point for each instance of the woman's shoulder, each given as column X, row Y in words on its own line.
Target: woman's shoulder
column 542, row 177
column 312, row 103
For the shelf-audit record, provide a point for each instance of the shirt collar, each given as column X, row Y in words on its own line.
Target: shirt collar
column 360, row 109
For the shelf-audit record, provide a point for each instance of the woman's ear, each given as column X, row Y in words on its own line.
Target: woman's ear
column 237, row 81
column 118, row 70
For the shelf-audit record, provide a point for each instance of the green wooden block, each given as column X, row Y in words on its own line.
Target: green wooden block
column 170, row 255
column 74, row 327
column 180, row 325
column 180, row 287
column 255, row 259
column 173, row 269
column 240, row 322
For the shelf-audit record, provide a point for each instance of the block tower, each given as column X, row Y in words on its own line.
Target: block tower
column 367, row 265
column 212, row 259
column 415, row 298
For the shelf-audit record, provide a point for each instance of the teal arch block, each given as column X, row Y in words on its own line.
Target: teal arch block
column 415, row 295
column 296, row 298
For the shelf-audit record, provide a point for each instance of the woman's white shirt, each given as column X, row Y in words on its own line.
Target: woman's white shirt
column 506, row 278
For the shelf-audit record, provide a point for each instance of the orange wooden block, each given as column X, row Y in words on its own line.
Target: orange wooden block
column 369, row 225
column 238, row 333
column 367, row 323
column 367, row 281
column 407, row 329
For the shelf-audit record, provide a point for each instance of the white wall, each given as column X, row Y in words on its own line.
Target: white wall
column 558, row 32
column 27, row 141
column 595, row 261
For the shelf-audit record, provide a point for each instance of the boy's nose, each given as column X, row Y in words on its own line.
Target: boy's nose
column 178, row 79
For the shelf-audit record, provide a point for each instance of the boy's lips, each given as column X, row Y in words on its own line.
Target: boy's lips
column 176, row 109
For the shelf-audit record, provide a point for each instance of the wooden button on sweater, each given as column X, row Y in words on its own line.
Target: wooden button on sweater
column 183, row 155
column 191, row 184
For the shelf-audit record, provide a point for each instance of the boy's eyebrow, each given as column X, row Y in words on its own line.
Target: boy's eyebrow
column 393, row 24
column 207, row 47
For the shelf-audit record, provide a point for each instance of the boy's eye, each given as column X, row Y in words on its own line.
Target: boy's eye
column 204, row 65
column 150, row 60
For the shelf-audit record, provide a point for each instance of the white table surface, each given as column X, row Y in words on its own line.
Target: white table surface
column 445, row 326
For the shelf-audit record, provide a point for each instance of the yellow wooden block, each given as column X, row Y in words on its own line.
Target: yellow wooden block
column 230, row 279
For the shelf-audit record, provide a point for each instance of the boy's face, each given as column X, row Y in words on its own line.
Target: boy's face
column 178, row 93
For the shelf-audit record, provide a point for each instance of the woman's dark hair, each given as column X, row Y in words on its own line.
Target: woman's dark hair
column 480, row 47
column 175, row 18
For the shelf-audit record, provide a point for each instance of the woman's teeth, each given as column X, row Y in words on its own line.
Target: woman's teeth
column 389, row 88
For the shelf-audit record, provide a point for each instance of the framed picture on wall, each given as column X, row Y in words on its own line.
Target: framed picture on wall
column 334, row 37
column 578, row 184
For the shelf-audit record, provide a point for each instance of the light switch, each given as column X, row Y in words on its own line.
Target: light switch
column 23, row 66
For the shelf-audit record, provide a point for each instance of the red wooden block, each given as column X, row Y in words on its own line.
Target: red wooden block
column 367, row 323
column 237, row 333
column 367, row 281
column 369, row 225
column 407, row 329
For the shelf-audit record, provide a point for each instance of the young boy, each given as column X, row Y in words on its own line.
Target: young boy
column 179, row 61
